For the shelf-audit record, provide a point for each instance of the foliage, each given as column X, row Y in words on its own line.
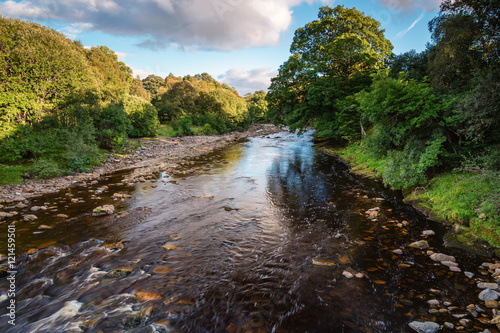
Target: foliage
column 413, row 64
column 204, row 100
column 257, row 105
column 112, row 126
column 332, row 58
column 466, row 34
column 479, row 109
column 46, row 168
column 142, row 115
column 152, row 83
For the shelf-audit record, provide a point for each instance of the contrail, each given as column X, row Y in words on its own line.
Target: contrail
column 405, row 31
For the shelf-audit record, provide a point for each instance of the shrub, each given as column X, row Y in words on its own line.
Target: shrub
column 46, row 168
column 112, row 126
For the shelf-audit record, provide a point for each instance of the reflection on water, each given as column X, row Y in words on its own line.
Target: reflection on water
column 266, row 236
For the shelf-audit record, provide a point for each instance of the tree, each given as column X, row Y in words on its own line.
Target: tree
column 466, row 35
column 332, row 58
column 257, row 105
column 412, row 63
column 152, row 83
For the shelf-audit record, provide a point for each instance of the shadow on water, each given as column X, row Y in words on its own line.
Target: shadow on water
column 266, row 236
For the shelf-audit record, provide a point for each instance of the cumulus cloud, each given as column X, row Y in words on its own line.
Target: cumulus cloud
column 248, row 81
column 204, row 24
column 410, row 6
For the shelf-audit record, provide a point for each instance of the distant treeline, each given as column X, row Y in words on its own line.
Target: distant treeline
column 62, row 104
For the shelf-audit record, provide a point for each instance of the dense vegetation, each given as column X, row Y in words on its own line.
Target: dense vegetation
column 64, row 106
column 427, row 123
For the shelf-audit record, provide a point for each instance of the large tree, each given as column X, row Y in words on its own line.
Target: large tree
column 332, row 59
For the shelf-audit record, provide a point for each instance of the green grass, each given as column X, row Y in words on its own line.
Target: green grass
column 166, row 130
column 11, row 174
column 363, row 161
column 468, row 199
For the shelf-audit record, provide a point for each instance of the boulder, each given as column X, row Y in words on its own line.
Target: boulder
column 488, row 295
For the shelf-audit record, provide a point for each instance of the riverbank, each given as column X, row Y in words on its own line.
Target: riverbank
column 152, row 156
column 466, row 201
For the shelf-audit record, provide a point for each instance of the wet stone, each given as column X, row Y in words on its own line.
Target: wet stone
column 347, row 274
column 486, row 285
column 488, row 295
column 440, row 257
column 425, row 326
column 433, row 302
column 422, row 245
column 492, row 304
column 29, row 218
column 427, row 233
column 103, row 210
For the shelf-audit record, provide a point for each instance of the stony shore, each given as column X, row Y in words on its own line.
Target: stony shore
column 152, row 157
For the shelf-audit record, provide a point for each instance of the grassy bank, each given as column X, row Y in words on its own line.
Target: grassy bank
column 470, row 201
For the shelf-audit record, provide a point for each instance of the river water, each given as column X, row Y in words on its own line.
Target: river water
column 268, row 235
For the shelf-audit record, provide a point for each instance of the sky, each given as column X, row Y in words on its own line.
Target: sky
column 238, row 42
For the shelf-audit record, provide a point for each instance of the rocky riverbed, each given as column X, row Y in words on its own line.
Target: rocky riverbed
column 146, row 162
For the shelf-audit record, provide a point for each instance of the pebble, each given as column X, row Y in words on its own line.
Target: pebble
column 449, row 325
column 433, row 302
column 103, row 210
column 469, row 275
column 398, row 251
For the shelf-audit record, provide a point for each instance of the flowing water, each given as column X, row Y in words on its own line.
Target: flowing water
column 269, row 235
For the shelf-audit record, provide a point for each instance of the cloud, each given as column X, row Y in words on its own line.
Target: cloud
column 202, row 24
column 248, row 81
column 405, row 31
column 410, row 6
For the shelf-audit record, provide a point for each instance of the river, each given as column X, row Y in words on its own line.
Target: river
column 269, row 235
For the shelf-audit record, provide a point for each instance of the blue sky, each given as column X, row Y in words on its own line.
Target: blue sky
column 238, row 42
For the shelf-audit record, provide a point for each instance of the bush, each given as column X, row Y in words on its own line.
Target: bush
column 46, row 168
column 112, row 126
column 183, row 126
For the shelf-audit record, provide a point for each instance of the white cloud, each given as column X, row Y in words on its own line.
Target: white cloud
column 248, row 81
column 203, row 24
column 405, row 31
column 141, row 73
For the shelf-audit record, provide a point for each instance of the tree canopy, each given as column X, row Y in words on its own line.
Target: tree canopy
column 332, row 58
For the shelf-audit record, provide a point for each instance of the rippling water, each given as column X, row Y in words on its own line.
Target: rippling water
column 258, row 239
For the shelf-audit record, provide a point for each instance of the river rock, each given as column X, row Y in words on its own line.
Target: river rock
column 488, row 295
column 103, row 210
column 440, row 257
column 425, row 326
column 347, row 274
column 485, row 285
column 64, row 216
column 21, row 205
column 427, row 233
column 398, row 251
column 29, row 217
column 422, row 245
column 44, row 227
column 35, row 208
column 4, row 215
column 492, row 304
column 322, row 262
column 449, row 263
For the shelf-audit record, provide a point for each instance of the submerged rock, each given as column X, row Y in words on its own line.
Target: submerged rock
column 322, row 262
column 425, row 326
column 440, row 257
column 103, row 210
